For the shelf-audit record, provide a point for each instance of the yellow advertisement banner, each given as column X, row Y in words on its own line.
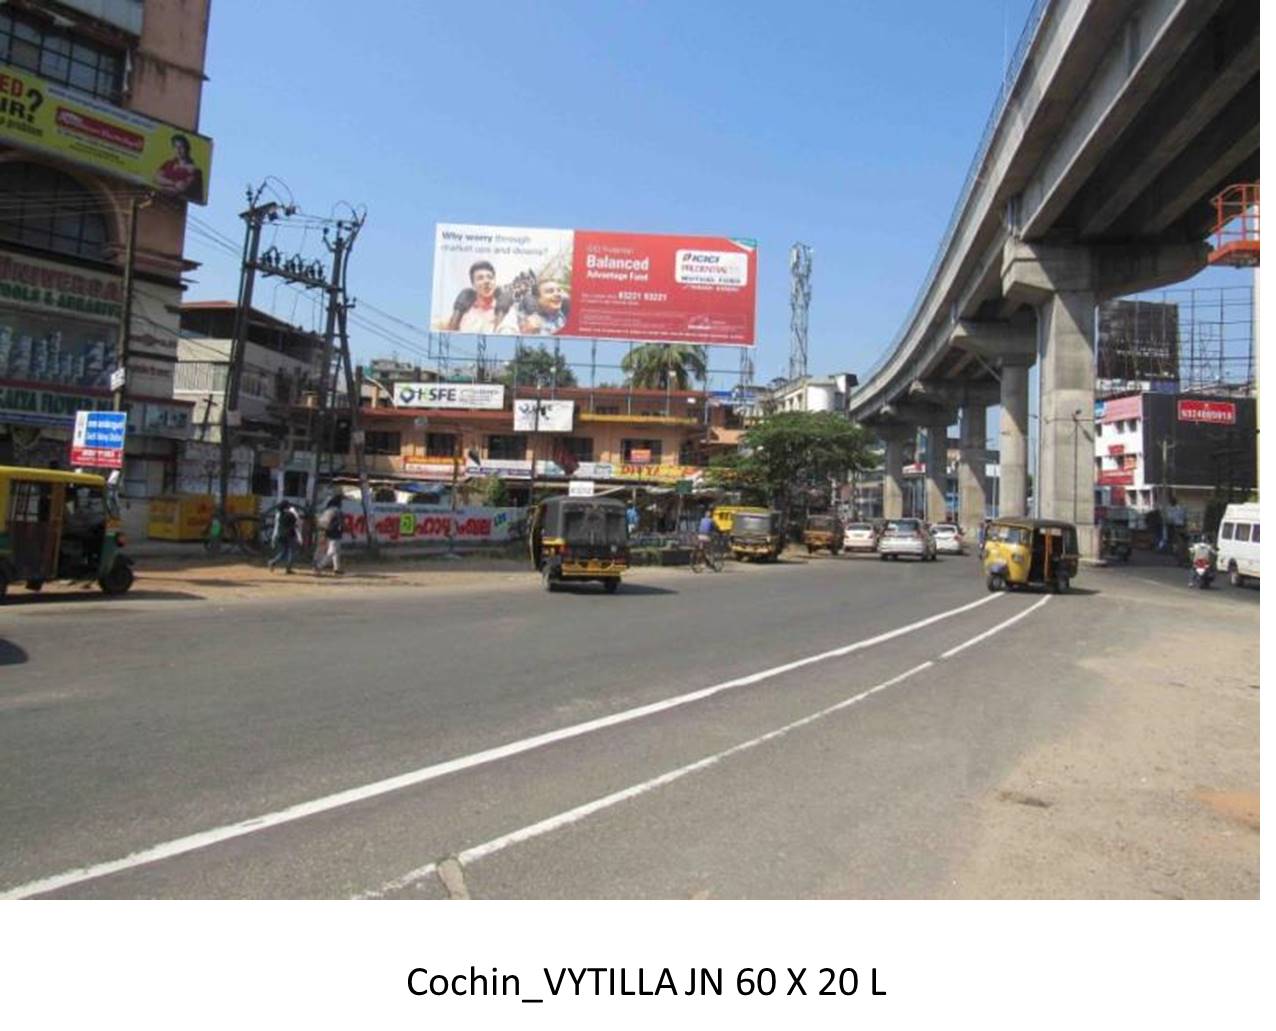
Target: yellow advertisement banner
column 44, row 116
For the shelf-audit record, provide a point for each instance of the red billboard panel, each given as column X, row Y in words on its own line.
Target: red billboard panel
column 1113, row 477
column 1219, row 413
column 584, row 283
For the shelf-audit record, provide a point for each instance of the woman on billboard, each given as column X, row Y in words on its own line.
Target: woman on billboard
column 179, row 176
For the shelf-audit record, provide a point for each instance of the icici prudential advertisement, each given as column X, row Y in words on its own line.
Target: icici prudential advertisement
column 584, row 283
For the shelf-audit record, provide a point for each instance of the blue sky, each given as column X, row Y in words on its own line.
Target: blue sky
column 847, row 126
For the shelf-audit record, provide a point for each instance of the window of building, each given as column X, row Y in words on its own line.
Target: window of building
column 638, row 451
column 81, row 64
column 580, row 448
column 48, row 209
column 606, row 409
column 507, row 446
column 440, row 445
column 382, row 442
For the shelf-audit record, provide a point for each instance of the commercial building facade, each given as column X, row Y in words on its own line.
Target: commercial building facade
column 609, row 435
column 65, row 220
column 1173, row 453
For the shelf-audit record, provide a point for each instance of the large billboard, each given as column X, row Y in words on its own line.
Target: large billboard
column 44, row 116
column 583, row 283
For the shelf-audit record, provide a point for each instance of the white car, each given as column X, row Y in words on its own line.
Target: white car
column 906, row 537
column 948, row 538
column 859, row 537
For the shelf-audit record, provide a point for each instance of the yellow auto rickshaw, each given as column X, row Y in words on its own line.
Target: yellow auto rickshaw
column 823, row 531
column 757, row 534
column 58, row 525
column 1022, row 552
column 724, row 514
column 578, row 539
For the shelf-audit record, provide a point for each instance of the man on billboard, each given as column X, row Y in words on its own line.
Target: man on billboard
column 475, row 309
column 542, row 311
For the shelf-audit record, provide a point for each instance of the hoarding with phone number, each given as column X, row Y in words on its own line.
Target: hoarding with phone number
column 585, row 283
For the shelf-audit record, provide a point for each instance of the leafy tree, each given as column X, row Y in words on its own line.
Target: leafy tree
column 789, row 454
column 492, row 492
column 665, row 366
column 535, row 367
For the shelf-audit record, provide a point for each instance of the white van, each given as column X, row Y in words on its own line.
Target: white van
column 1238, row 544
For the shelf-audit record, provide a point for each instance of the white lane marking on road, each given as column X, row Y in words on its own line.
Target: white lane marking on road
column 203, row 839
column 998, row 628
column 559, row 820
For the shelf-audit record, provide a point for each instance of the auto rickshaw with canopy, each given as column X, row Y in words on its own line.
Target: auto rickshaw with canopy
column 757, row 535
column 1022, row 552
column 823, row 530
column 579, row 539
column 58, row 525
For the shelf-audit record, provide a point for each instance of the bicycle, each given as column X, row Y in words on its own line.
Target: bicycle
column 712, row 556
column 242, row 531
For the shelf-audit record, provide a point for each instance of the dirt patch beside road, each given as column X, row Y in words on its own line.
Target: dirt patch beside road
column 1153, row 793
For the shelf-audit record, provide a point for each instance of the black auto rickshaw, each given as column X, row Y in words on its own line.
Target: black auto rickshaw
column 58, row 525
column 823, row 531
column 577, row 539
column 1022, row 552
column 757, row 535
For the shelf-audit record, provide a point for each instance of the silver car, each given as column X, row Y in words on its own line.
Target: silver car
column 859, row 537
column 906, row 537
column 948, row 538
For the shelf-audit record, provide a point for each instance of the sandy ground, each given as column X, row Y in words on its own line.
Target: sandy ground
column 1153, row 793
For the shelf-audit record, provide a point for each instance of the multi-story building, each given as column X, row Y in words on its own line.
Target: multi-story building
column 280, row 371
column 1173, row 453
column 614, row 436
column 99, row 103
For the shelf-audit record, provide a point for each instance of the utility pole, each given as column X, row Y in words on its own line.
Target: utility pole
column 356, row 432
column 254, row 218
column 126, row 313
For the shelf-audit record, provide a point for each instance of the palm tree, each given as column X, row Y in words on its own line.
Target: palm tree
column 665, row 366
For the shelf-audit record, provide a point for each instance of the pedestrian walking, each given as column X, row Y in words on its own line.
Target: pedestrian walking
column 286, row 537
column 331, row 522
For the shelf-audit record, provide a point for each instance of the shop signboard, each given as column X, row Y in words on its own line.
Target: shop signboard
column 34, row 406
column 44, row 116
column 1118, row 409
column 487, row 396
column 602, row 285
column 580, row 489
column 1116, row 449
column 1113, row 477
column 1216, row 413
column 533, row 416
column 98, row 440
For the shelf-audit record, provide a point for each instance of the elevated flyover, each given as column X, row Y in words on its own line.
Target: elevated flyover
column 1118, row 123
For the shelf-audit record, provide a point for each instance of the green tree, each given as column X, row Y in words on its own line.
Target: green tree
column 536, row 367
column 665, row 366
column 788, row 454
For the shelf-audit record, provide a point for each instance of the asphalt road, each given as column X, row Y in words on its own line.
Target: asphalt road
column 811, row 729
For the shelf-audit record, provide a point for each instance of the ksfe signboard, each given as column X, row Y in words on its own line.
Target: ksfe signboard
column 98, row 440
column 489, row 396
column 64, row 124
column 585, row 283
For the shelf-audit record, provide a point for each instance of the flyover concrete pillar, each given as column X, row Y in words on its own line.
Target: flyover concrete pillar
column 894, row 440
column 1065, row 473
column 1064, row 283
column 972, row 479
column 937, row 472
column 1012, row 492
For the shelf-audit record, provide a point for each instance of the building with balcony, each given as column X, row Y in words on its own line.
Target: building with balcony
column 614, row 436
column 99, row 107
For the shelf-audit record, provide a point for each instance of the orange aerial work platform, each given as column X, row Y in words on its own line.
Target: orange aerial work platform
column 1236, row 226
